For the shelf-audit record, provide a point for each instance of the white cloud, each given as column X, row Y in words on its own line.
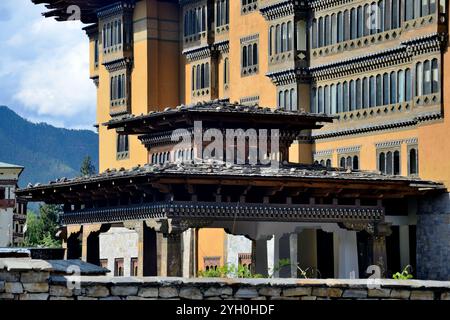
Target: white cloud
column 48, row 64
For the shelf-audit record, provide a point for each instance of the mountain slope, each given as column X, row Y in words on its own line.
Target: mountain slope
column 46, row 152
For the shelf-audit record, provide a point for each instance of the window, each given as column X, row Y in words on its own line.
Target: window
column 349, row 162
column 249, row 6
column 122, row 146
column 112, row 33
column 249, row 55
column 427, row 77
column 389, row 162
column 284, row 37
column 118, row 267
column 413, row 161
column 104, row 263
column 200, row 77
column 194, row 21
column 211, row 262
column 222, row 12
column 134, row 267
column 2, row 194
column 118, row 87
column 226, row 71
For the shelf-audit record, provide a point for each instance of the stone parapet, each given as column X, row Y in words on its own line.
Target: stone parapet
column 36, row 280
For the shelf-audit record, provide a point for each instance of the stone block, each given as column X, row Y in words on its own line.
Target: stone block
column 334, row 292
column 6, row 296
column 297, row 292
column 97, row 291
column 309, row 298
column 62, row 298
column 83, row 298
column 9, row 276
column 422, row 295
column 270, row 292
column 445, row 296
column 320, row 292
column 354, row 293
column 111, row 298
column 124, row 290
column 168, row 292
column 35, row 287
column 246, row 293
column 148, row 292
column 379, row 293
column 13, row 287
column 34, row 277
column 191, row 294
column 60, row 291
column 400, row 294
column 34, row 296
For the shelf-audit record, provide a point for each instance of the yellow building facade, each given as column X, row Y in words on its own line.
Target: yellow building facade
column 377, row 66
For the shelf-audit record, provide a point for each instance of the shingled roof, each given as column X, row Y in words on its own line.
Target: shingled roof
column 221, row 112
column 220, row 169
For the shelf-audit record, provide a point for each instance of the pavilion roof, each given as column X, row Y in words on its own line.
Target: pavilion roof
column 289, row 175
column 218, row 114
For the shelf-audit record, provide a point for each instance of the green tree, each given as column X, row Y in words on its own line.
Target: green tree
column 42, row 228
column 87, row 167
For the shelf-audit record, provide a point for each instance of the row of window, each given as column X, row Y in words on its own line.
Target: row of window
column 364, row 20
column 388, row 162
column 287, row 99
column 195, row 21
column 379, row 90
column 118, row 87
column 112, row 34
column 249, row 55
column 222, row 12
column 200, row 76
column 179, row 155
column 281, row 38
column 119, row 266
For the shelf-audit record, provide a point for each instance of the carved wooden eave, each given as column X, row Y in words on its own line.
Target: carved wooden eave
column 198, row 53
column 60, row 9
column 92, row 30
column 279, row 9
column 289, row 76
column 382, row 59
column 222, row 46
column 318, row 5
column 117, row 65
column 213, row 211
column 119, row 7
column 416, row 120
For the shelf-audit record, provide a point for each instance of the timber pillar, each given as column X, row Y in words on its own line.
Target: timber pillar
column 378, row 245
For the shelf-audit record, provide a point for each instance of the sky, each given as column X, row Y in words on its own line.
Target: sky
column 44, row 67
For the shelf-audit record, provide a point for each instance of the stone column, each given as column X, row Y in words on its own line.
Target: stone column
column 293, row 253
column 259, row 256
column 174, row 255
column 345, row 254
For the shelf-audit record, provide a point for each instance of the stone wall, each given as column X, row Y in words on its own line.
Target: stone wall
column 24, row 279
column 433, row 238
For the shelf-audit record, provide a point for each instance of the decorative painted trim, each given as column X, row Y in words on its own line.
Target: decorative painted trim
column 323, row 153
column 396, row 143
column 252, row 100
column 226, row 212
column 352, row 149
column 115, row 9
